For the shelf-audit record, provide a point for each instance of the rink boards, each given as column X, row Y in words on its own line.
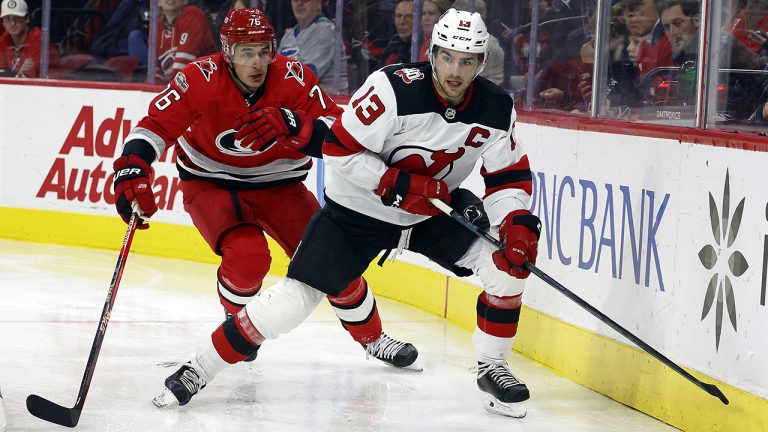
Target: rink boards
column 666, row 232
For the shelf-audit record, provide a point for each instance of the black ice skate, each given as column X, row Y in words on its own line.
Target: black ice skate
column 393, row 352
column 252, row 357
column 503, row 393
column 181, row 386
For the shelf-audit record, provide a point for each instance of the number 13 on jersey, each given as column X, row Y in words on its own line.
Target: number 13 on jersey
column 368, row 107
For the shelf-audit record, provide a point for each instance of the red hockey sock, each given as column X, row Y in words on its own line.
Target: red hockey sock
column 357, row 311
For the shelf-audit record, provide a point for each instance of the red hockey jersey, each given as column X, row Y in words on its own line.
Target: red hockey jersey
column 182, row 41
column 197, row 111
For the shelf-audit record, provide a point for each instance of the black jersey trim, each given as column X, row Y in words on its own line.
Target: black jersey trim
column 489, row 105
column 506, row 177
column 238, row 185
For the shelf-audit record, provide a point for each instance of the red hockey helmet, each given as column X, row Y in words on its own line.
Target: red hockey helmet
column 246, row 26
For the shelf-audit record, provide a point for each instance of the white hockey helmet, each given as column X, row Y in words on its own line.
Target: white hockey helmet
column 460, row 31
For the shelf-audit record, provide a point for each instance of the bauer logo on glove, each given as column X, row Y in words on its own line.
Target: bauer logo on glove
column 133, row 183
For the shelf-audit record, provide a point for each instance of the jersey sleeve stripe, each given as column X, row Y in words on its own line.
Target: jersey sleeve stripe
column 339, row 142
column 517, row 176
column 152, row 138
column 185, row 56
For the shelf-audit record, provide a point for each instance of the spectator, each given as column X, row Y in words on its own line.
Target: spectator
column 633, row 48
column 398, row 49
column 20, row 45
column 431, row 11
column 280, row 14
column 567, row 84
column 750, row 24
column 183, row 35
column 129, row 15
column 642, row 20
column 680, row 19
column 377, row 28
column 311, row 41
column 494, row 64
column 519, row 49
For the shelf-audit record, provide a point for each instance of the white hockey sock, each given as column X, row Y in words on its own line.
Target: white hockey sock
column 491, row 348
column 208, row 360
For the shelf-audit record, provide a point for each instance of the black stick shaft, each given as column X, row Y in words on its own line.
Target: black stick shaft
column 55, row 413
column 709, row 388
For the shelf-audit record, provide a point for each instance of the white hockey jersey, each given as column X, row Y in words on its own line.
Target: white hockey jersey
column 396, row 119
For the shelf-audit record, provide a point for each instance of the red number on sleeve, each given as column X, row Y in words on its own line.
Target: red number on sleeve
column 368, row 107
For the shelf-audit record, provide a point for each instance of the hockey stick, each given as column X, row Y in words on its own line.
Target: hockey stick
column 709, row 388
column 54, row 413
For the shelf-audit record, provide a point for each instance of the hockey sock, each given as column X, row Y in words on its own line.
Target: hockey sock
column 497, row 319
column 236, row 338
column 357, row 311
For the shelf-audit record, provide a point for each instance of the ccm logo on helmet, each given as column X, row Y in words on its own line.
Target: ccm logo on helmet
column 462, row 38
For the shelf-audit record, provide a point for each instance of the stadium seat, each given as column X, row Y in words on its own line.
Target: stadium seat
column 124, row 64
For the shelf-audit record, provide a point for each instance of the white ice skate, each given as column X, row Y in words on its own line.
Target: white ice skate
column 503, row 393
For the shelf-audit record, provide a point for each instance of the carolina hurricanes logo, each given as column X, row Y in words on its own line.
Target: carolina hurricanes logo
column 295, row 71
column 410, row 75
column 424, row 161
column 207, row 66
column 227, row 144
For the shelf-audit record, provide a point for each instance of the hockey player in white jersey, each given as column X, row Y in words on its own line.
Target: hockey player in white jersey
column 413, row 132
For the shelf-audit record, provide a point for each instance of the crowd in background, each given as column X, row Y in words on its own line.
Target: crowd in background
column 653, row 46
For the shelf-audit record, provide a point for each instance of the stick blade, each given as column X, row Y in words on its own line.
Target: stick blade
column 714, row 391
column 44, row 409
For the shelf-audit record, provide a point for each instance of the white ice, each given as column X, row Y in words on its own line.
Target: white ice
column 314, row 379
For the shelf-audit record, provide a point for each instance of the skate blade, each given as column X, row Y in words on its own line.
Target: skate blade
column 164, row 399
column 413, row 367
column 511, row 409
column 171, row 363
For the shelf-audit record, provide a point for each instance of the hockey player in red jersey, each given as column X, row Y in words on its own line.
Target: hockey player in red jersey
column 414, row 132
column 245, row 122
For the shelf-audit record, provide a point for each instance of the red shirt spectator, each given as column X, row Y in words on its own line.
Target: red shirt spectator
column 20, row 45
column 740, row 28
column 183, row 36
column 653, row 56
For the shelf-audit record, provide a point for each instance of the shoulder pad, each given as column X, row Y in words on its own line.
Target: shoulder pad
column 293, row 70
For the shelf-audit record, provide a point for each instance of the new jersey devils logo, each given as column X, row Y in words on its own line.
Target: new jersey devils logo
column 295, row 71
column 424, row 161
column 409, row 75
column 227, row 144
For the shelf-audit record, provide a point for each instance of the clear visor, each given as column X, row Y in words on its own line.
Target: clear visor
column 252, row 54
column 457, row 63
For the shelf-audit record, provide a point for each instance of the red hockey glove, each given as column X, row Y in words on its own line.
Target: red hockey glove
column 519, row 233
column 133, row 182
column 259, row 128
column 411, row 192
